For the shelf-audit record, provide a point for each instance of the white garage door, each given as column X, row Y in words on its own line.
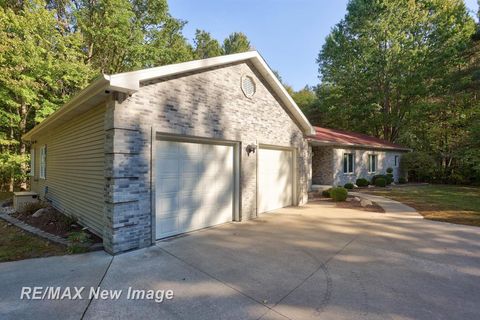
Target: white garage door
column 275, row 179
column 194, row 186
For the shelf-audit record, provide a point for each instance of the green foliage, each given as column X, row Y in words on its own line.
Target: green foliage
column 205, row 46
column 418, row 166
column 326, row 193
column 380, row 182
column 402, row 180
column 389, row 170
column 235, row 43
column 377, row 176
column 49, row 50
column 348, row 186
column 339, row 194
column 78, row 242
column 389, row 178
column 362, row 182
column 408, row 72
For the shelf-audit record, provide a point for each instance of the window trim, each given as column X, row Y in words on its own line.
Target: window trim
column 347, row 158
column 396, row 161
column 42, row 174
column 372, row 156
column 32, row 162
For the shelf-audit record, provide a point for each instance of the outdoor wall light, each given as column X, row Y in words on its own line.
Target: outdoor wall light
column 251, row 148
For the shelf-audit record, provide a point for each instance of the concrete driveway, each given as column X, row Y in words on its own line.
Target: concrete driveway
column 314, row 262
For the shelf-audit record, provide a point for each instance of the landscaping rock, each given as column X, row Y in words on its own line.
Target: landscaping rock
column 357, row 199
column 38, row 213
column 366, row 203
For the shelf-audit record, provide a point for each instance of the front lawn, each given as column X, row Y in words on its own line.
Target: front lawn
column 447, row 203
column 16, row 244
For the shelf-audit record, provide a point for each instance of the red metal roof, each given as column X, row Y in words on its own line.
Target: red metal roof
column 339, row 137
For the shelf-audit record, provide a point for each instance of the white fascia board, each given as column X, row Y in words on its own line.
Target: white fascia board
column 132, row 79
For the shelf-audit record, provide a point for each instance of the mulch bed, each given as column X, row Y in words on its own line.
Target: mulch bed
column 54, row 222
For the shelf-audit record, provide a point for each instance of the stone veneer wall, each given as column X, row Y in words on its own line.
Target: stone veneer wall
column 386, row 159
column 322, row 165
column 207, row 104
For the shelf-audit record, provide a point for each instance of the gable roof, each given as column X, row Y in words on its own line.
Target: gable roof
column 326, row 136
column 130, row 82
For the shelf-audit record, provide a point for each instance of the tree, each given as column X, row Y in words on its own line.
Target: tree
column 124, row 35
column 205, row 46
column 235, row 43
column 40, row 67
column 384, row 57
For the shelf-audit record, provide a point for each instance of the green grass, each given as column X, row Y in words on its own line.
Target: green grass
column 449, row 203
column 16, row 244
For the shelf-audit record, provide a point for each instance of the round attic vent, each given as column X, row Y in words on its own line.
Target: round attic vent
column 248, row 86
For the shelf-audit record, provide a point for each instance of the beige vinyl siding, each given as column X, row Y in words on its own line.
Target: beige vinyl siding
column 75, row 168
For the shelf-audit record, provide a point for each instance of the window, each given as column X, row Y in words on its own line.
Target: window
column 372, row 163
column 348, row 162
column 43, row 162
column 397, row 158
column 32, row 162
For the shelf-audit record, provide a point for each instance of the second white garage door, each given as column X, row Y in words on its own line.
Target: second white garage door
column 194, row 186
column 275, row 179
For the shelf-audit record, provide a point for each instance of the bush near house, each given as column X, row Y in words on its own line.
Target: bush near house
column 402, row 180
column 349, row 186
column 375, row 177
column 389, row 170
column 389, row 178
column 338, row 194
column 380, row 182
column 361, row 182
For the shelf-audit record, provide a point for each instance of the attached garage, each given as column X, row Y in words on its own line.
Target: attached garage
column 185, row 146
column 275, row 178
column 194, row 185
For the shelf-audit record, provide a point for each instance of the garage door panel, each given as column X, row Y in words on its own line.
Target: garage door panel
column 275, row 179
column 167, row 204
column 199, row 193
column 169, row 185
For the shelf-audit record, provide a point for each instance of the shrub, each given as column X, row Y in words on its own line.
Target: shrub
column 361, row 182
column 389, row 170
column 348, row 186
column 339, row 194
column 381, row 182
column 389, row 178
column 402, row 180
column 375, row 177
column 326, row 193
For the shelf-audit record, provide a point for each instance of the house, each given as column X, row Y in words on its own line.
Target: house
column 149, row 154
column 340, row 157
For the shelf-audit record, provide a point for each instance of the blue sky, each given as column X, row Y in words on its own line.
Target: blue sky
column 288, row 33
